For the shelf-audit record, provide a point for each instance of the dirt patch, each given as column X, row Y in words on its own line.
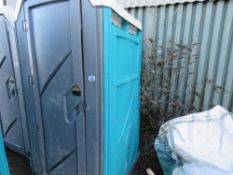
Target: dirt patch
column 18, row 164
column 147, row 157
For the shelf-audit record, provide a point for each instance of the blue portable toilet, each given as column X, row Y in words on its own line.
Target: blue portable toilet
column 80, row 67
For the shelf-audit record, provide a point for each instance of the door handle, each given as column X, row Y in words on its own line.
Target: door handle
column 78, row 111
column 74, row 105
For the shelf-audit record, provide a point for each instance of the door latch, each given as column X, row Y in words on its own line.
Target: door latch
column 76, row 90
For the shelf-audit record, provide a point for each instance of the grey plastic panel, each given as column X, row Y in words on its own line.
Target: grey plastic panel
column 14, row 48
column 10, row 114
column 54, row 40
column 92, row 52
column 23, row 53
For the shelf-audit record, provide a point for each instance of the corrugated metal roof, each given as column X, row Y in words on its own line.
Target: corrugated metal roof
column 148, row 3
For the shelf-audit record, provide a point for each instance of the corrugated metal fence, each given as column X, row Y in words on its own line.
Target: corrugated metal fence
column 188, row 57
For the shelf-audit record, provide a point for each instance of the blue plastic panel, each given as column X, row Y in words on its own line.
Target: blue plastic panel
column 4, row 170
column 122, row 64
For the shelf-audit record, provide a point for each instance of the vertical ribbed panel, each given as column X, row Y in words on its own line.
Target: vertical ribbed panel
column 188, row 55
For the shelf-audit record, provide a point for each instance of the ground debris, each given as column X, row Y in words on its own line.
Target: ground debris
column 150, row 172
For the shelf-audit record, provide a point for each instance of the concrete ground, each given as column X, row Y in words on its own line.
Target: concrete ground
column 18, row 164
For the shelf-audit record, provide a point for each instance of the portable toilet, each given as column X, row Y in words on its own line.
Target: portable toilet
column 13, row 122
column 81, row 85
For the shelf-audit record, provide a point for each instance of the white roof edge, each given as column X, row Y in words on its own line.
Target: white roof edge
column 11, row 14
column 151, row 3
column 113, row 4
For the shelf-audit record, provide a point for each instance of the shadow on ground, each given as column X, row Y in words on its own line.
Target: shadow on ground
column 147, row 157
column 18, row 164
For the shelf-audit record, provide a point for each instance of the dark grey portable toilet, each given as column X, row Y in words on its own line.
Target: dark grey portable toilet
column 12, row 114
column 80, row 68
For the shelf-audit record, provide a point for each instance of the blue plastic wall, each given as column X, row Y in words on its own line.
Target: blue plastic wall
column 122, row 65
column 4, row 170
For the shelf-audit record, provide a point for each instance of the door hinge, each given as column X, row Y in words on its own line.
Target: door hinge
column 30, row 80
column 25, row 25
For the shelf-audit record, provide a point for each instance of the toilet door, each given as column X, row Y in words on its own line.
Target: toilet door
column 10, row 118
column 54, row 40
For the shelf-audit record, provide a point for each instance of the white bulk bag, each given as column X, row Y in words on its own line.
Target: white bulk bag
column 200, row 143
